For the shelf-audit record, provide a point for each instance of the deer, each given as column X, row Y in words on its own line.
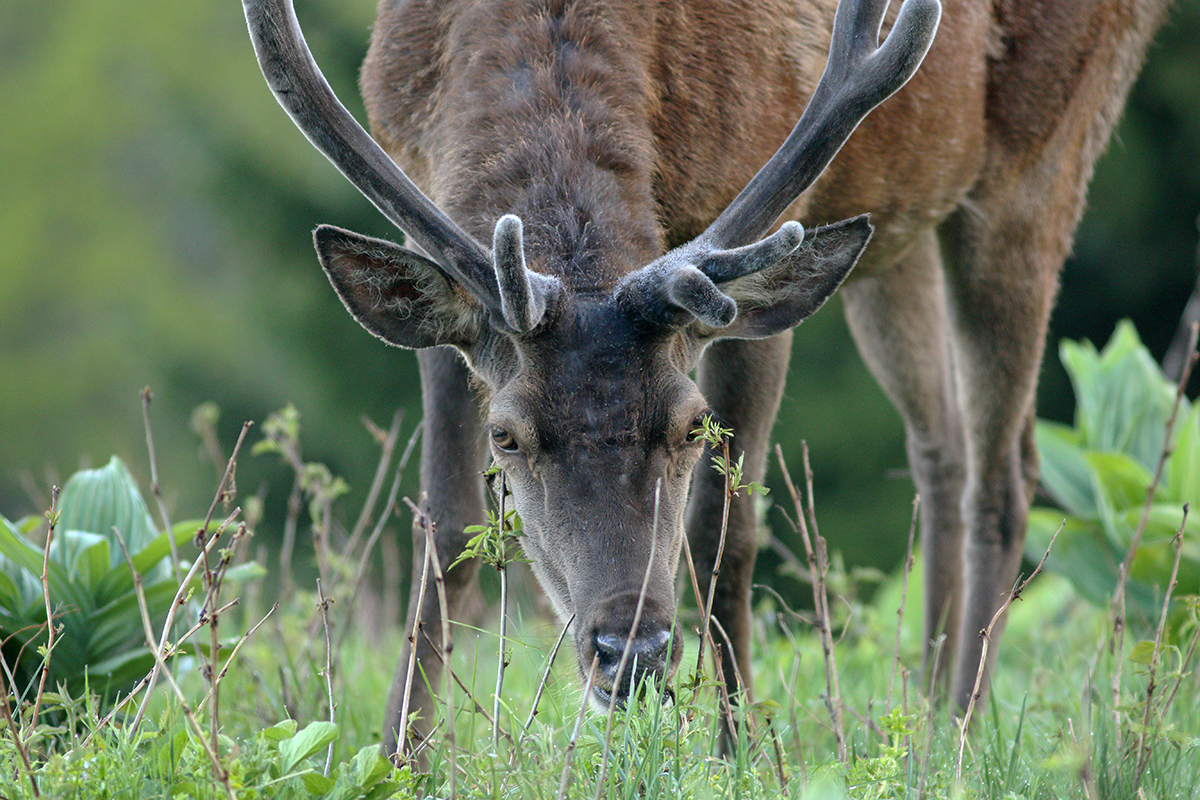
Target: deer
column 626, row 206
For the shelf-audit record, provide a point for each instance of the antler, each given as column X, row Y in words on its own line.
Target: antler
column 298, row 85
column 858, row 76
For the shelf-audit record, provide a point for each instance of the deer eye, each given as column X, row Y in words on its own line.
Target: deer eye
column 504, row 440
column 696, row 429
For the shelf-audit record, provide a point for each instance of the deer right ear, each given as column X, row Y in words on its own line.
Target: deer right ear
column 400, row 296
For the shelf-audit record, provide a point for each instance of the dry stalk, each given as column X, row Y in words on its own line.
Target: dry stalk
column 439, row 582
column 360, row 573
column 14, row 729
column 479, row 709
column 986, row 636
column 716, row 567
column 502, row 658
column 545, row 677
column 637, row 619
column 155, row 488
column 50, row 632
column 587, row 693
column 908, row 565
column 818, row 566
column 412, row 639
column 323, row 604
column 178, row 602
column 1145, row 743
column 1117, row 644
column 387, row 444
column 160, row 667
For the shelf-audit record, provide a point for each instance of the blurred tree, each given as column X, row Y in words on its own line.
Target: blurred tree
column 155, row 209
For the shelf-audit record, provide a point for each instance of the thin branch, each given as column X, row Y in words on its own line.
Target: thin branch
column 439, row 582
column 403, row 734
column 50, row 632
column 155, row 488
column 1144, row 744
column 908, row 565
column 387, row 443
column 323, row 603
column 818, row 566
column 986, row 636
column 545, row 677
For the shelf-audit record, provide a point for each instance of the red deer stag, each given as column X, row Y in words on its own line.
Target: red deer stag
column 601, row 150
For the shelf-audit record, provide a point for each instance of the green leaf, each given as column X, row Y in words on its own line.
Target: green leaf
column 1142, row 653
column 98, row 500
column 1065, row 471
column 305, row 743
column 316, row 783
column 1183, row 467
column 284, row 729
column 369, row 766
column 85, row 556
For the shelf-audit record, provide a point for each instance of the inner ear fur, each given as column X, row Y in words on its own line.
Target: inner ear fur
column 398, row 295
column 784, row 295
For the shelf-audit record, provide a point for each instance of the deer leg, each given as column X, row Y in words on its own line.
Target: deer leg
column 1002, row 278
column 452, row 490
column 898, row 318
column 743, row 382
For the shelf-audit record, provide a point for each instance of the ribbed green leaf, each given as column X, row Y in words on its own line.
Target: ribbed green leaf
column 98, row 500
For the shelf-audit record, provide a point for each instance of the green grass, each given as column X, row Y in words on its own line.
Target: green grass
column 1048, row 728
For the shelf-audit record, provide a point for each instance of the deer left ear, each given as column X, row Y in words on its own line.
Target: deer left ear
column 784, row 295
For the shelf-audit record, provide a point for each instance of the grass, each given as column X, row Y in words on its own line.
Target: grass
column 300, row 706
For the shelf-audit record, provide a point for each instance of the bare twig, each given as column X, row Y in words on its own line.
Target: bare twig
column 706, row 616
column 908, row 565
column 403, row 735
column 387, row 444
column 155, row 488
column 160, row 667
column 323, row 604
column 986, row 636
column 439, row 582
column 179, row 600
column 502, row 657
column 377, row 531
column 545, row 677
column 1145, row 743
column 818, row 566
column 52, row 516
column 14, row 729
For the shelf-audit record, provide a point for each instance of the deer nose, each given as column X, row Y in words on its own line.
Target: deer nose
column 648, row 655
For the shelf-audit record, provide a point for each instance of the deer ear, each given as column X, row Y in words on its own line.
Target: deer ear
column 784, row 295
column 400, row 296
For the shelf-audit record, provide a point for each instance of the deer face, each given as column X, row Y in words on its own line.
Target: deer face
column 594, row 433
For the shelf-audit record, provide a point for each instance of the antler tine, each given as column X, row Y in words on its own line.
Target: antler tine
column 298, row 85
column 524, row 294
column 858, row 76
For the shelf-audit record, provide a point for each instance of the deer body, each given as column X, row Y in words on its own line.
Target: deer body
column 621, row 135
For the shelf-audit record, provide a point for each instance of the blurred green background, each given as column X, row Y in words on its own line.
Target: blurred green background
column 155, row 216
